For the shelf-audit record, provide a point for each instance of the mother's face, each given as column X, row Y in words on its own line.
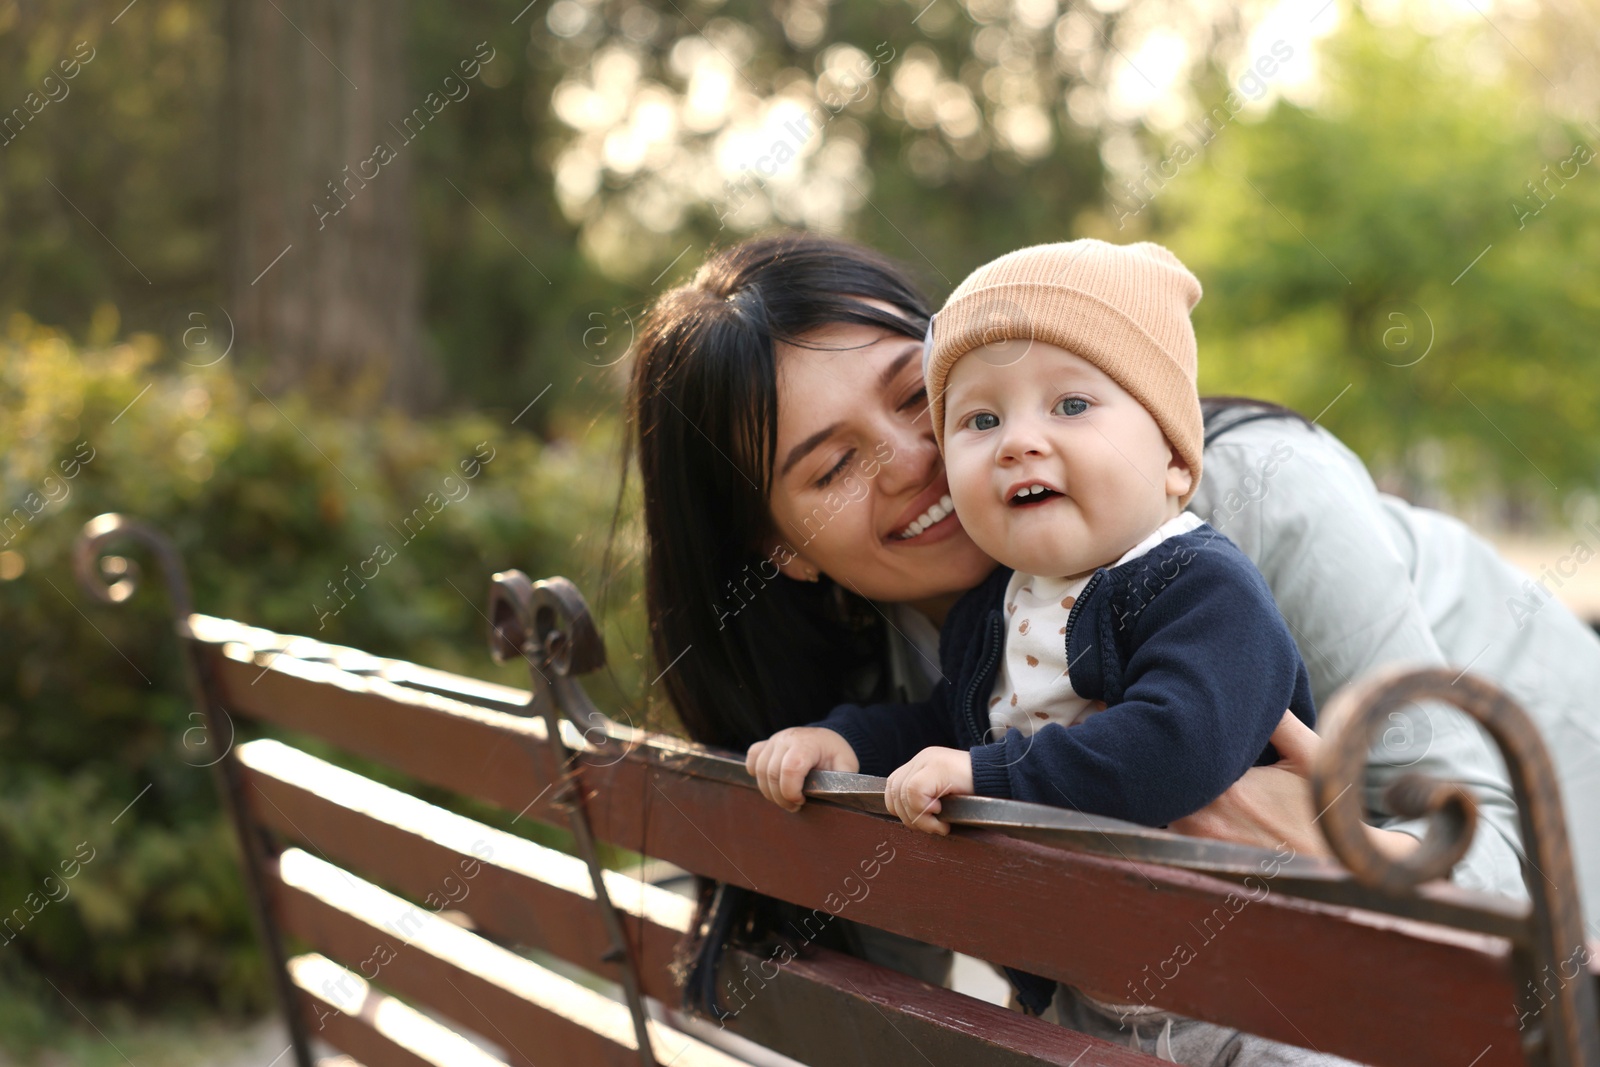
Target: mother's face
column 859, row 490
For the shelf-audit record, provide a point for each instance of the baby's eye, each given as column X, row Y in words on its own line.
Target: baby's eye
column 1072, row 405
column 983, row 421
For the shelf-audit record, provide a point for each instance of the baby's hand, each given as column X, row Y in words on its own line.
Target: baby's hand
column 781, row 762
column 914, row 790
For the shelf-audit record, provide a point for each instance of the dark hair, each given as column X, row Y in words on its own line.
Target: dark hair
column 1224, row 413
column 746, row 652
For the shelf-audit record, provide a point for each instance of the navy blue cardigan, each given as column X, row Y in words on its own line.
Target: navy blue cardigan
column 1184, row 644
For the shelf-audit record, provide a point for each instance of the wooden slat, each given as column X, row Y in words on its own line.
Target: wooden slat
column 1292, row 970
column 536, row 1015
column 514, row 890
column 536, row 897
column 834, row 1010
column 211, row 630
column 491, row 755
column 341, row 1008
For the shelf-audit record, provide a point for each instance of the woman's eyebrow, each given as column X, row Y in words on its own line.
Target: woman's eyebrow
column 893, row 369
column 798, row 452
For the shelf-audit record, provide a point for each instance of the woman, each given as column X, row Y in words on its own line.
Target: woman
column 802, row 551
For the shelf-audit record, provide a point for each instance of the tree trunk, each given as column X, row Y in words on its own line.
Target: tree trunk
column 320, row 257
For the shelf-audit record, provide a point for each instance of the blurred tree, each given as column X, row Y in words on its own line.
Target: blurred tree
column 613, row 132
column 944, row 133
column 510, row 303
column 114, row 199
column 1557, row 41
column 1433, row 258
column 320, row 257
column 108, row 197
column 634, row 135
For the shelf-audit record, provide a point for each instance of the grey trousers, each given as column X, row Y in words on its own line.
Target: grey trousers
column 1177, row 1039
column 904, row 954
column 1162, row 1034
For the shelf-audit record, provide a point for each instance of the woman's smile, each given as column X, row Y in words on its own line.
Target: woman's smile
column 929, row 517
column 935, row 523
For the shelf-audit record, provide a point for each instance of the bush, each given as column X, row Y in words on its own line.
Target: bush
column 274, row 506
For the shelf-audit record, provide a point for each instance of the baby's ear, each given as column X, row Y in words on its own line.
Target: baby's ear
column 1179, row 477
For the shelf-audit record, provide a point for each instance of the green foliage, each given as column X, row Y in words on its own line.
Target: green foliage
column 1335, row 247
column 269, row 502
column 108, row 190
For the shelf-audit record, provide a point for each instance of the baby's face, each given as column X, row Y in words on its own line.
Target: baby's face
column 1054, row 468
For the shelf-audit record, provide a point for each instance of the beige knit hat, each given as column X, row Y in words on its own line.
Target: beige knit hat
column 1124, row 308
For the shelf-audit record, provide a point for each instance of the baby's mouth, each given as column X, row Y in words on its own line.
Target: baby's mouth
column 1032, row 496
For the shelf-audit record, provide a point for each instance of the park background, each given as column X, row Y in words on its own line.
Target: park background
column 226, row 310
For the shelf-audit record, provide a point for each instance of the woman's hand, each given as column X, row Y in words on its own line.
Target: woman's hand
column 913, row 791
column 781, row 762
column 1271, row 806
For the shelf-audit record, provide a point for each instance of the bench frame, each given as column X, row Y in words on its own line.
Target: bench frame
column 1491, row 961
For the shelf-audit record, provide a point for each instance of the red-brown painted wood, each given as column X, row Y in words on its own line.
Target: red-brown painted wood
column 534, row 1015
column 884, row 1014
column 468, row 875
column 835, row 1010
column 372, row 1031
column 353, row 1035
column 425, row 981
column 1370, row 987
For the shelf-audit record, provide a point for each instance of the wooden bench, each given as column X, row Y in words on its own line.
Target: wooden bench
column 426, row 937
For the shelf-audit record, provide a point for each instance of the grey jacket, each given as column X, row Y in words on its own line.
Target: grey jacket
column 1365, row 580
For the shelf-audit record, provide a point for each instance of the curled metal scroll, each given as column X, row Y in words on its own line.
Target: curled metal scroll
column 112, row 579
column 546, row 619
column 548, row 624
column 1349, row 722
column 1565, row 1029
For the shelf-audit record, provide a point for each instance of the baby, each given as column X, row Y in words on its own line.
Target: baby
column 1125, row 659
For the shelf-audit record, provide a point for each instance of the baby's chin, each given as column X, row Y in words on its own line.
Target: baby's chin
column 1048, row 559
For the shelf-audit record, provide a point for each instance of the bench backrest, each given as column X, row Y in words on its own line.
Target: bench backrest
column 398, row 906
